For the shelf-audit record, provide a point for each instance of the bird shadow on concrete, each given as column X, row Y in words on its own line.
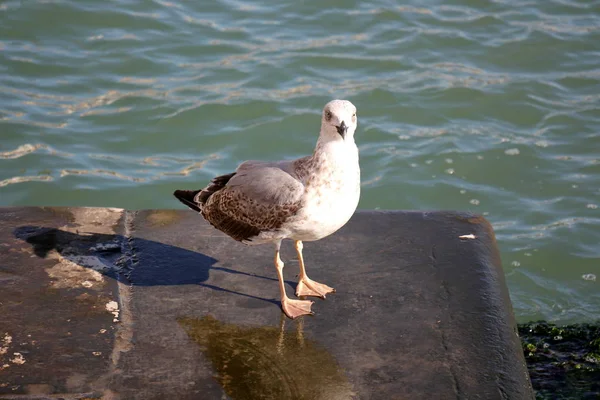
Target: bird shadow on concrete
column 118, row 257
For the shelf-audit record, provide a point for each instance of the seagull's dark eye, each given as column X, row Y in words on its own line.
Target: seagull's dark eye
column 328, row 115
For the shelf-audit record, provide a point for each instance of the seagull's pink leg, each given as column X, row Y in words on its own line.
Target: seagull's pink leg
column 291, row 308
column 306, row 286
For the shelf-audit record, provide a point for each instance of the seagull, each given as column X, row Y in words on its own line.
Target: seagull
column 303, row 200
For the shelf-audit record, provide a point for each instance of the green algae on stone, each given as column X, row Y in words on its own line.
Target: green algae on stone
column 267, row 362
column 563, row 361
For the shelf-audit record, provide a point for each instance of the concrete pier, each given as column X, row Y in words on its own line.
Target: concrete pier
column 156, row 304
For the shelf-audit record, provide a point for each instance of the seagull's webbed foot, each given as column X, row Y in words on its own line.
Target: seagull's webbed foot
column 296, row 308
column 308, row 287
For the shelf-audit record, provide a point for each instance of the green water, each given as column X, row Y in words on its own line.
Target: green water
column 487, row 106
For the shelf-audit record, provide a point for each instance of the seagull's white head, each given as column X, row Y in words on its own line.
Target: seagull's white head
column 338, row 121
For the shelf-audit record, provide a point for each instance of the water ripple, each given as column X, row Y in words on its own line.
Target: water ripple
column 490, row 107
column 22, row 179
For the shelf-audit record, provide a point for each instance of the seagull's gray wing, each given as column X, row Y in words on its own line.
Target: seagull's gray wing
column 259, row 197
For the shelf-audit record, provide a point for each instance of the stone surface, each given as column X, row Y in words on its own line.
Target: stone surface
column 114, row 304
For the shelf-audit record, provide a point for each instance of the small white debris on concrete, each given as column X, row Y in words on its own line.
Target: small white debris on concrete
column 113, row 308
column 6, row 341
column 110, row 246
column 103, row 330
column 18, row 359
column 589, row 277
column 89, row 262
column 469, row 236
column 97, row 353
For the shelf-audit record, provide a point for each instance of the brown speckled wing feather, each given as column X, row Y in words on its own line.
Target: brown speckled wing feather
column 255, row 200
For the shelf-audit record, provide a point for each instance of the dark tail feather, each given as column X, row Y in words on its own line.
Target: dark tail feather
column 214, row 186
column 195, row 199
column 187, row 198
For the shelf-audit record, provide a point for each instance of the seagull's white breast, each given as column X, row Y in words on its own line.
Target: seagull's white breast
column 332, row 193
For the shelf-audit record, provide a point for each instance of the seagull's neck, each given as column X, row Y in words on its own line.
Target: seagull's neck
column 328, row 141
column 336, row 151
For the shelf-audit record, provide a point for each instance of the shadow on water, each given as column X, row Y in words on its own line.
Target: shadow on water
column 118, row 257
column 268, row 362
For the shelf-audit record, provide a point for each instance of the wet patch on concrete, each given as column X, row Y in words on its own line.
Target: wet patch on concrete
column 268, row 362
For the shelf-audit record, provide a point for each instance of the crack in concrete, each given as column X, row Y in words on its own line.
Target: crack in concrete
column 123, row 339
column 433, row 256
column 455, row 384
